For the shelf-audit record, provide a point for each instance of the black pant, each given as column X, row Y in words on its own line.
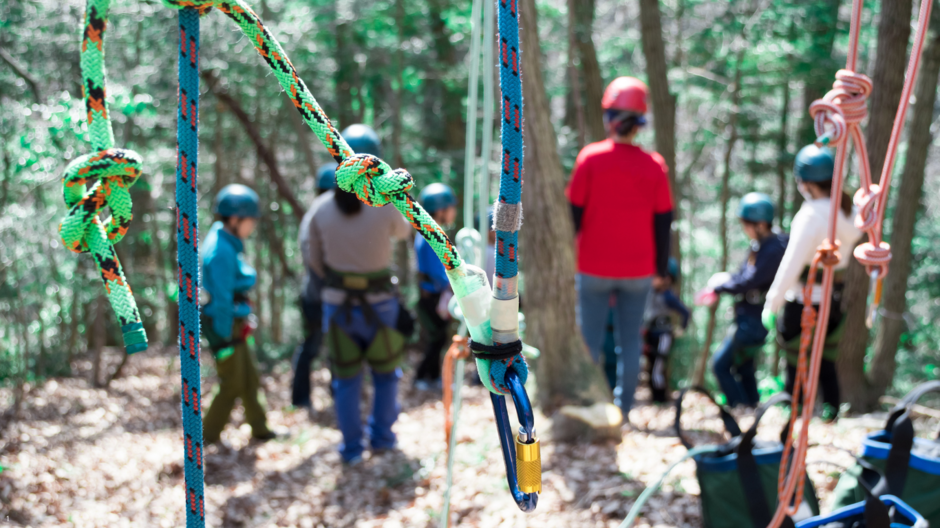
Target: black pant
column 307, row 351
column 828, row 382
column 435, row 330
column 788, row 327
column 658, row 344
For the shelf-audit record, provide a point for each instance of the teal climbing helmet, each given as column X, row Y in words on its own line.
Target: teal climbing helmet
column 437, row 196
column 672, row 268
column 326, row 177
column 362, row 139
column 756, row 207
column 814, row 164
column 237, row 200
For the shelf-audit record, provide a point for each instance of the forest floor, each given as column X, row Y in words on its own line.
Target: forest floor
column 85, row 457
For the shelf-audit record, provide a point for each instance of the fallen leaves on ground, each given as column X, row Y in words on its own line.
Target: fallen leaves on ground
column 86, row 457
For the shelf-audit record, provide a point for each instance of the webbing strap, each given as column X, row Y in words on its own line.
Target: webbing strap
column 187, row 244
column 111, row 172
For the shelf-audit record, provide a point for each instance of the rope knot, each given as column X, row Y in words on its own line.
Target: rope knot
column 867, row 200
column 842, row 106
column 115, row 170
column 203, row 6
column 828, row 253
column 872, row 256
column 372, row 180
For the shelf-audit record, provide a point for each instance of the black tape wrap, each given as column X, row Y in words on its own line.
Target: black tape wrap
column 495, row 352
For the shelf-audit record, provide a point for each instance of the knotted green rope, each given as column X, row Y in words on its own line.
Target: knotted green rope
column 111, row 172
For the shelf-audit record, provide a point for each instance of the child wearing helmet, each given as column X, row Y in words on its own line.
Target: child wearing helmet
column 621, row 205
column 813, row 171
column 440, row 202
column 659, row 331
column 227, row 278
column 310, row 305
column 733, row 362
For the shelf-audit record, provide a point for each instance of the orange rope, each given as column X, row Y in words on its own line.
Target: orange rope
column 843, row 109
column 458, row 350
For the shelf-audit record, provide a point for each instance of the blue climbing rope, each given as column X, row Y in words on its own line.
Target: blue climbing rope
column 187, row 240
column 510, row 181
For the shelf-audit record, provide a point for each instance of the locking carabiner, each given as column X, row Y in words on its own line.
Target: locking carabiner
column 524, row 467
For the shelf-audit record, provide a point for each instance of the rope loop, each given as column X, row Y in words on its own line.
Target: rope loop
column 828, row 253
column 372, row 180
column 866, row 199
column 874, row 257
column 844, row 105
column 113, row 171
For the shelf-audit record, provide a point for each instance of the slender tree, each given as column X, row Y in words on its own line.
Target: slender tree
column 581, row 20
column 566, row 373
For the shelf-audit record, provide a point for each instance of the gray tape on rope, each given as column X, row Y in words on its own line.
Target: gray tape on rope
column 507, row 217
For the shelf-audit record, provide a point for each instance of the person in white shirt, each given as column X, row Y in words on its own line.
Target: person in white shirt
column 813, row 171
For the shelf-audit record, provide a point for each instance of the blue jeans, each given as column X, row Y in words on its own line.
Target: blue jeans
column 347, row 392
column 630, row 297
column 733, row 367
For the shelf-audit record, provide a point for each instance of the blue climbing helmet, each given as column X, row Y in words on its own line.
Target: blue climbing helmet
column 326, row 177
column 672, row 268
column 237, row 200
column 756, row 207
column 814, row 164
column 437, row 196
column 362, row 139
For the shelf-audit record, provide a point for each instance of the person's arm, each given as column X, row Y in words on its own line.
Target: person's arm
column 662, row 218
column 577, row 214
column 219, row 281
column 800, row 249
column 662, row 236
column 748, row 278
column 314, row 256
column 431, row 266
column 577, row 191
column 677, row 306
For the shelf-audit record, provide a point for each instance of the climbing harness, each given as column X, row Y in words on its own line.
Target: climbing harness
column 842, row 109
column 370, row 178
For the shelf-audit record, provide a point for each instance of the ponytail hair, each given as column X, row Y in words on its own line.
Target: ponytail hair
column 347, row 202
column 845, row 203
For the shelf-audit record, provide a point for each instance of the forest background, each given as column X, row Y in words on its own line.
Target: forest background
column 731, row 82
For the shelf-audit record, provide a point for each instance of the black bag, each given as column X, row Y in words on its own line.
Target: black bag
column 739, row 478
column 911, row 466
column 886, row 511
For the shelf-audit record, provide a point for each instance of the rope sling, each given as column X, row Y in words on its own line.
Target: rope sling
column 112, row 171
column 837, row 117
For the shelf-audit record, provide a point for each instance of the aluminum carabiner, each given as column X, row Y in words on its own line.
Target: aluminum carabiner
column 524, row 467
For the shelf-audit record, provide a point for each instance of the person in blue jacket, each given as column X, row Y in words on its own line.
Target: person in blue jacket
column 659, row 331
column 226, row 279
column 733, row 363
column 440, row 202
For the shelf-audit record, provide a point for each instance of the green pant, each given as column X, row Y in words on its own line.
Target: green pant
column 238, row 378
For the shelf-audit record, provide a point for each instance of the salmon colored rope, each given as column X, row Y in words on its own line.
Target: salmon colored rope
column 843, row 109
column 458, row 350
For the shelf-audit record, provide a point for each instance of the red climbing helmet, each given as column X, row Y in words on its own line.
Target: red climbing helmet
column 626, row 93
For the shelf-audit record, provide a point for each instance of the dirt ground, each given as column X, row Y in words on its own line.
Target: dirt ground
column 86, row 457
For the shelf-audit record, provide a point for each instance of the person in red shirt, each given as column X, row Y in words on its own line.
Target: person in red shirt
column 622, row 209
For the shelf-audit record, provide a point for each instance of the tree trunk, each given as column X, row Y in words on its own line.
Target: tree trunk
column 821, row 24
column 566, row 373
column 582, row 21
column 894, row 30
column 346, row 72
column 701, row 367
column 98, row 328
column 452, row 94
column 783, row 156
column 663, row 102
column 574, row 102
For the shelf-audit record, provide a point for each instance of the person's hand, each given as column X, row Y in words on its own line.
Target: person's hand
column 658, row 282
column 769, row 319
column 706, row 297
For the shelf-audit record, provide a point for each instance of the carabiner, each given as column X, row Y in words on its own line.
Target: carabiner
column 874, row 298
column 524, row 468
